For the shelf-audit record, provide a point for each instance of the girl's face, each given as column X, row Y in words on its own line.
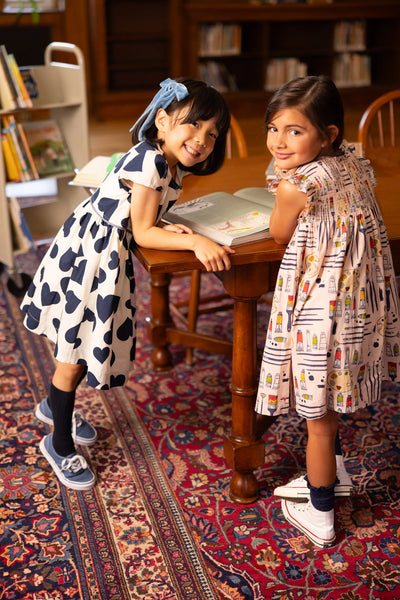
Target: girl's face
column 293, row 140
column 187, row 143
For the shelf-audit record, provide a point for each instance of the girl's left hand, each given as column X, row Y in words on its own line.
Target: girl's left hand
column 177, row 228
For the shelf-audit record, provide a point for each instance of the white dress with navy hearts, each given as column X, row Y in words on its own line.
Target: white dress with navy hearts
column 83, row 294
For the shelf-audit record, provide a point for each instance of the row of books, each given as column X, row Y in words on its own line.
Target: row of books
column 350, row 36
column 18, row 159
column 281, row 70
column 216, row 74
column 33, row 149
column 219, row 39
column 13, row 92
column 351, row 69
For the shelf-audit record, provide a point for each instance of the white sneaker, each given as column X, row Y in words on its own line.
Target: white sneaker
column 297, row 488
column 317, row 525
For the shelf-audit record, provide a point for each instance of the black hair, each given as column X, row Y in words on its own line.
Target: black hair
column 317, row 97
column 204, row 102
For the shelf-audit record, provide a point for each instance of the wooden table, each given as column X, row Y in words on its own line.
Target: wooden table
column 253, row 273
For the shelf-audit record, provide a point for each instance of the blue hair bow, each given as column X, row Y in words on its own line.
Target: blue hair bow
column 170, row 89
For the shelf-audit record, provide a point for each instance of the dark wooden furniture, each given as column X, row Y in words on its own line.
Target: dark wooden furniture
column 137, row 43
column 131, row 48
column 253, row 273
column 304, row 31
column 379, row 126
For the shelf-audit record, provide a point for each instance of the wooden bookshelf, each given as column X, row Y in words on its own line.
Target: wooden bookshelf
column 130, row 44
column 302, row 31
column 134, row 44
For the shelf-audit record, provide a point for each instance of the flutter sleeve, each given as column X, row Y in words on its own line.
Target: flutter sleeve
column 298, row 177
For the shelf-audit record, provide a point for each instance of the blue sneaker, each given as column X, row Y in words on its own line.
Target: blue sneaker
column 72, row 470
column 83, row 433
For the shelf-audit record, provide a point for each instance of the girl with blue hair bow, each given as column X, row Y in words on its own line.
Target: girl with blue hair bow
column 83, row 294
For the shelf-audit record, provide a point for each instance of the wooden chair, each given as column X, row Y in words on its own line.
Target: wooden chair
column 189, row 311
column 377, row 127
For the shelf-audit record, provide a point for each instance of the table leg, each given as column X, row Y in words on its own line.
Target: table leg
column 159, row 321
column 244, row 449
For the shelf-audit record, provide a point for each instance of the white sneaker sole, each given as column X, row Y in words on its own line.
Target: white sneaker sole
column 74, row 485
column 318, row 541
column 302, row 493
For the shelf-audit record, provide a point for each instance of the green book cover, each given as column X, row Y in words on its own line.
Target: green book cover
column 48, row 148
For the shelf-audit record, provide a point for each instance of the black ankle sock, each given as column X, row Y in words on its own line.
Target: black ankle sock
column 62, row 407
column 322, row 498
column 338, row 447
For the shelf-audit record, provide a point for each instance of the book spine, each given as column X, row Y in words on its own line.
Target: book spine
column 23, row 240
column 9, row 75
column 6, row 97
column 14, row 153
column 9, row 160
column 11, row 127
column 28, row 153
column 18, row 77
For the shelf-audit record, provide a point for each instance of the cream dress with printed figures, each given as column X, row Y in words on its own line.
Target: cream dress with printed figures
column 333, row 335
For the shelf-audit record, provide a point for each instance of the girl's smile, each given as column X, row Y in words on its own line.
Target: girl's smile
column 292, row 139
column 187, row 143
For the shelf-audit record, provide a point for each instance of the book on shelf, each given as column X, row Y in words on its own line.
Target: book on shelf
column 20, row 82
column 281, row 70
column 25, row 146
column 12, row 79
column 351, row 69
column 228, row 219
column 21, row 235
column 20, row 149
column 7, row 100
column 12, row 169
column 93, row 173
column 217, row 75
column 48, row 147
column 219, row 39
column 350, row 36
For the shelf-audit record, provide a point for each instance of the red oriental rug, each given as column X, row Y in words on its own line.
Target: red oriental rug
column 159, row 525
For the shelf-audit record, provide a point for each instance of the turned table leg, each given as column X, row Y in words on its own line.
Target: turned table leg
column 159, row 321
column 244, row 450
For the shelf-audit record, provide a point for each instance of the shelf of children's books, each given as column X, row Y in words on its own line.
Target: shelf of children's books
column 59, row 106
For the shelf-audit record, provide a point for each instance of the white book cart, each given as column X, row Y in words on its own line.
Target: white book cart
column 46, row 203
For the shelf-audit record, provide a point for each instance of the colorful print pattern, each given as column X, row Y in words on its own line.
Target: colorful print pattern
column 333, row 333
column 83, row 294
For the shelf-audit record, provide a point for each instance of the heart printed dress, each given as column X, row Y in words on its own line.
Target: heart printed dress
column 83, row 294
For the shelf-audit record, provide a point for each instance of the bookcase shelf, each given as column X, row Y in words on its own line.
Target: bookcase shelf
column 281, row 31
column 61, row 95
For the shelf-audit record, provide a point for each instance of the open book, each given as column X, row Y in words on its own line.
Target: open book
column 228, row 219
column 93, row 173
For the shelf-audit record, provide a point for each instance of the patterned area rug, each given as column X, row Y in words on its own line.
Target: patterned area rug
column 159, row 525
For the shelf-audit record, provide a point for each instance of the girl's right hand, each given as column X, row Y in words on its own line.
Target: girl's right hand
column 213, row 256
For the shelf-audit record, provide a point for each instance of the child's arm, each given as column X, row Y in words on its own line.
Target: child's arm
column 289, row 203
column 144, row 205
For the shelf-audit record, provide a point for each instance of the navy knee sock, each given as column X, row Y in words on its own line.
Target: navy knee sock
column 62, row 406
column 322, row 498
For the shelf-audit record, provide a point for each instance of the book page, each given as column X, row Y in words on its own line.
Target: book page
column 247, row 223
